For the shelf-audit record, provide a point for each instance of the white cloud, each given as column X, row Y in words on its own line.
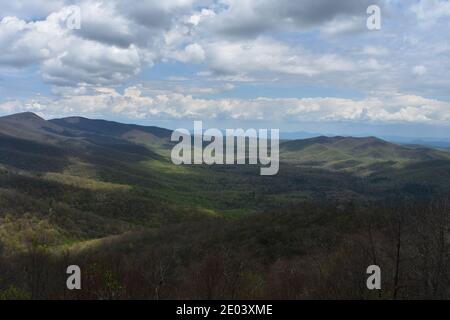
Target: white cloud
column 248, row 18
column 22, row 43
column 192, row 53
column 67, row 59
column 245, row 42
column 429, row 11
column 92, row 63
column 262, row 56
column 419, row 70
column 100, row 22
column 196, row 18
column 132, row 103
column 30, row 9
column 10, row 106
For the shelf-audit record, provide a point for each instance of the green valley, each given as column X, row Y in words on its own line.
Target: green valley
column 106, row 196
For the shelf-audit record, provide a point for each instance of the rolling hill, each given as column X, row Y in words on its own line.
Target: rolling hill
column 363, row 155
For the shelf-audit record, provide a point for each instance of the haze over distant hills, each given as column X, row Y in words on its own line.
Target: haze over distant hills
column 431, row 142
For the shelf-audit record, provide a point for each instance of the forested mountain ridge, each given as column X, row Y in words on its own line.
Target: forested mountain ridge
column 106, row 196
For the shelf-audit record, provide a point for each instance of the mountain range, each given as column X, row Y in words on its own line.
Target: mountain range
column 96, row 189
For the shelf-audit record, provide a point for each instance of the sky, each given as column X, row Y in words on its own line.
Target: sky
column 305, row 65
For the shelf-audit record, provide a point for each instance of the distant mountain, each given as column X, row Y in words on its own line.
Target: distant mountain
column 418, row 141
column 72, row 134
column 429, row 142
column 29, row 142
column 298, row 135
column 355, row 154
column 109, row 128
column 150, row 136
column 106, row 196
column 28, row 125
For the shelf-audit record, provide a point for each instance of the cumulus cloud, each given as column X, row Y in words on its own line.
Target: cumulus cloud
column 30, row 9
column 22, row 43
column 193, row 53
column 100, row 22
column 155, row 14
column 226, row 47
column 247, row 18
column 112, row 45
column 269, row 56
column 133, row 103
column 65, row 57
column 117, row 40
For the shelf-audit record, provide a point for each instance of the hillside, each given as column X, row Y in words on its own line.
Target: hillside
column 30, row 126
column 106, row 195
column 362, row 155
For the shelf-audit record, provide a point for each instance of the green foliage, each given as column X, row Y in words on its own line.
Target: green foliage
column 14, row 293
column 106, row 197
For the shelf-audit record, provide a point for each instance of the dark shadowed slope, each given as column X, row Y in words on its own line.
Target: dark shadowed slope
column 109, row 128
column 158, row 139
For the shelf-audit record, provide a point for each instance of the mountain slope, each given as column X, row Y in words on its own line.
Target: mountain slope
column 158, row 139
column 30, row 126
column 355, row 154
column 88, row 177
column 105, row 196
column 122, row 172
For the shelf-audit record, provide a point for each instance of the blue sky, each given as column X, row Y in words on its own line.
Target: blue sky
column 309, row 65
